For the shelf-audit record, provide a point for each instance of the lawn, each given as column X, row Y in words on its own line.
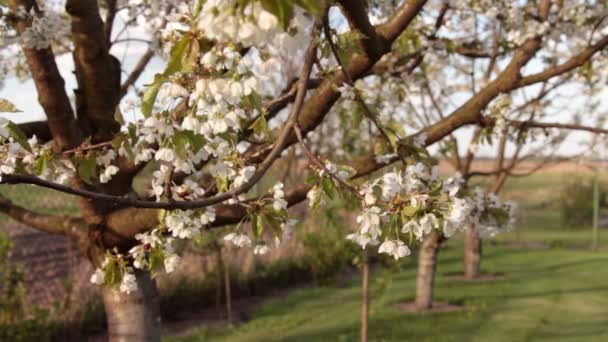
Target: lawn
column 557, row 293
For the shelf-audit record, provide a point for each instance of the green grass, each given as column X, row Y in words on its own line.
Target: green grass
column 559, row 293
column 40, row 199
column 556, row 294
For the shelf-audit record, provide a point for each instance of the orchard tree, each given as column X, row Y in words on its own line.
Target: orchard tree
column 246, row 81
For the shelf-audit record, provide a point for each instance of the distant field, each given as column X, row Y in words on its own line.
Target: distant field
column 555, row 293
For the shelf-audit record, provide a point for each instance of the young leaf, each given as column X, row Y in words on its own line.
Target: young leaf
column 178, row 52
column 87, row 168
column 7, row 107
column 40, row 164
column 156, row 260
column 180, row 141
column 190, row 55
column 282, row 9
column 328, row 187
column 257, row 225
column 260, row 127
column 112, row 274
column 17, row 134
column 410, row 211
column 149, row 97
column 315, row 7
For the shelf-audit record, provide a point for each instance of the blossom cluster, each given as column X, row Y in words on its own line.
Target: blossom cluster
column 154, row 251
column 400, row 206
column 490, row 215
column 46, row 25
column 270, row 224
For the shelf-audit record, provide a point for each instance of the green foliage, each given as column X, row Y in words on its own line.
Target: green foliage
column 149, row 97
column 17, row 134
column 86, row 167
column 183, row 59
column 284, row 9
column 327, row 253
column 576, row 203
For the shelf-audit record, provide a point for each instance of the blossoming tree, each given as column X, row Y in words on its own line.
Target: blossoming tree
column 244, row 82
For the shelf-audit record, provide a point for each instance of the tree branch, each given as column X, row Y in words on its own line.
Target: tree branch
column 137, row 71
column 571, row 64
column 69, row 226
column 97, row 72
column 109, row 23
column 50, row 87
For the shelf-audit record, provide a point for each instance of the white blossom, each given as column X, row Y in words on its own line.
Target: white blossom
column 394, row 248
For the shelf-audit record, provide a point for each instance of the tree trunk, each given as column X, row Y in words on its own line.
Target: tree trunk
column 472, row 253
column 364, row 296
column 133, row 317
column 224, row 270
column 427, row 264
column 219, row 273
column 227, row 290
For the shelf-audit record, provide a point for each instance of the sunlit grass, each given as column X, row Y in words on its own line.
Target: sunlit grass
column 556, row 291
column 40, row 199
column 547, row 294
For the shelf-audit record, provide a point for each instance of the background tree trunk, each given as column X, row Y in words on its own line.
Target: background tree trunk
column 219, row 273
column 228, row 292
column 134, row 317
column 364, row 296
column 472, row 253
column 427, row 264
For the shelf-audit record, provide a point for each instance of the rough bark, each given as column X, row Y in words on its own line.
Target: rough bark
column 425, row 276
column 134, row 317
column 472, row 253
column 97, row 72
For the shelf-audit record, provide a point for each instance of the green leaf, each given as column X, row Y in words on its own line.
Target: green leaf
column 156, row 260
column 196, row 141
column 257, row 225
column 17, row 134
column 149, row 97
column 177, row 55
column 315, row 7
column 436, row 189
column 112, row 274
column 328, row 187
column 191, row 55
column 185, row 141
column 260, row 127
column 272, row 219
column 40, row 164
column 410, row 211
column 282, row 9
column 180, row 141
column 312, row 179
column 7, row 107
column 87, row 168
